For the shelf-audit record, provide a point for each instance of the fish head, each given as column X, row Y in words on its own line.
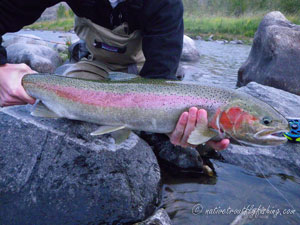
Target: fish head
column 252, row 122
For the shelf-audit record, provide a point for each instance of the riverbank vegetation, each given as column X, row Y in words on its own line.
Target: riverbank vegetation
column 233, row 19
column 224, row 19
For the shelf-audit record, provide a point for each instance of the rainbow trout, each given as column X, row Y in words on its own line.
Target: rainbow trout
column 155, row 106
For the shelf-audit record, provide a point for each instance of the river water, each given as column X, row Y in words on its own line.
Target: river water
column 200, row 200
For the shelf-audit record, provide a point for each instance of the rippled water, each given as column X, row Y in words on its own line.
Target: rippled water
column 218, row 64
column 234, row 188
column 222, row 197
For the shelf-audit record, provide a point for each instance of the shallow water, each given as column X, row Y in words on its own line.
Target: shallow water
column 223, row 197
column 218, row 64
column 233, row 187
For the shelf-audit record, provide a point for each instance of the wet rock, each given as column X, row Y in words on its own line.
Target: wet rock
column 40, row 58
column 275, row 55
column 54, row 172
column 25, row 39
column 186, row 159
column 189, row 51
column 161, row 217
column 284, row 159
column 286, row 103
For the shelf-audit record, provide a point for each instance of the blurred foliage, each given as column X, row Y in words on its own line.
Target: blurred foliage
column 63, row 12
column 64, row 24
column 239, row 7
column 225, row 19
column 231, row 19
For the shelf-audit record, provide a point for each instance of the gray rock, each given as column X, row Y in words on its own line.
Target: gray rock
column 189, row 51
column 284, row 159
column 186, row 159
column 236, row 42
column 275, row 55
column 161, row 217
column 61, row 48
column 40, row 58
column 54, row 172
column 286, row 103
column 24, row 39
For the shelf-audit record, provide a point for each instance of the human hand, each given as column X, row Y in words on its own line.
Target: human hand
column 11, row 89
column 187, row 123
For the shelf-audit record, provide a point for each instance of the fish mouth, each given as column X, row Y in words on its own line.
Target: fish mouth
column 271, row 135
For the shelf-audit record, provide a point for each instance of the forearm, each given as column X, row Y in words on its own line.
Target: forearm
column 162, row 38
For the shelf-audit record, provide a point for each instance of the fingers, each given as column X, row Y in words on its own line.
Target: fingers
column 221, row 145
column 11, row 89
column 176, row 135
column 202, row 117
column 190, row 126
column 23, row 96
column 187, row 123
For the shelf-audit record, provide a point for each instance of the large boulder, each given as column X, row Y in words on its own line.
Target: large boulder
column 40, row 58
column 284, row 159
column 275, row 56
column 54, row 172
column 189, row 51
column 24, row 39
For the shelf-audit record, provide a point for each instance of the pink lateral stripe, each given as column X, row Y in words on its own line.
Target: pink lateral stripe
column 130, row 100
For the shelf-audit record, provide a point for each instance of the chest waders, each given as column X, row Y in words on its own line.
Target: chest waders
column 111, row 50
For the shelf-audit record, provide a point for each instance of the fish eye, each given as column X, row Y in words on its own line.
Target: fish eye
column 267, row 121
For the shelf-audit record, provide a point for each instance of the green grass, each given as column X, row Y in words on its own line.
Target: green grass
column 222, row 27
column 64, row 24
column 227, row 28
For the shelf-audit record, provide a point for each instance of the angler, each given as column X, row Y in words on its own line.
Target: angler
column 135, row 36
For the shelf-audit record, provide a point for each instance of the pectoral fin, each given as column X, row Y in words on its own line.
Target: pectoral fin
column 121, row 135
column 201, row 134
column 106, row 130
column 40, row 110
